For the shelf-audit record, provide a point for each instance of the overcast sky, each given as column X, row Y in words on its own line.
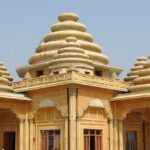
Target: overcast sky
column 121, row 28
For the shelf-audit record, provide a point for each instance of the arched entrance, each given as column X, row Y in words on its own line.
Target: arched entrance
column 136, row 127
column 9, row 128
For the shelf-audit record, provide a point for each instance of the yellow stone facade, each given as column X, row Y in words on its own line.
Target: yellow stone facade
column 70, row 98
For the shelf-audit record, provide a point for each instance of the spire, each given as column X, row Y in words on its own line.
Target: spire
column 68, row 26
column 135, row 70
column 142, row 82
column 5, row 79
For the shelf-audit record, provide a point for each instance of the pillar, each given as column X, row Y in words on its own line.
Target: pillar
column 110, row 134
column 120, row 135
column 31, row 121
column 66, row 133
column 146, row 135
column 116, row 138
column 21, row 136
column 26, row 133
column 78, row 134
column 72, row 119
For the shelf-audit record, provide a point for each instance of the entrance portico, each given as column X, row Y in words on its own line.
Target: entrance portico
column 136, row 129
column 9, row 130
column 133, row 110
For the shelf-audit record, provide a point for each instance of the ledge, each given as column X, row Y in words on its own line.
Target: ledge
column 67, row 78
column 14, row 96
column 133, row 96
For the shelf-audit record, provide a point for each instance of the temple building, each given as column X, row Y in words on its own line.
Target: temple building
column 71, row 98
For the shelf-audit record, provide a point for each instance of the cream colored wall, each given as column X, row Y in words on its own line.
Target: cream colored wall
column 87, row 94
column 49, row 108
column 106, row 73
column 48, row 119
column 93, row 118
column 55, row 95
column 134, row 122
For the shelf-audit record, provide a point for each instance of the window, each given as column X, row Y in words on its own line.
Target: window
column 50, row 139
column 98, row 73
column 86, row 72
column 92, row 139
column 56, row 72
column 39, row 73
column 131, row 140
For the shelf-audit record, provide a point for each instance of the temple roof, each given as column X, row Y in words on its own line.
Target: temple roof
column 5, row 79
column 71, row 53
column 142, row 82
column 135, row 70
column 6, row 87
column 68, row 26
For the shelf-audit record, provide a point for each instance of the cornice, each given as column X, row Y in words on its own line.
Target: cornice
column 71, row 77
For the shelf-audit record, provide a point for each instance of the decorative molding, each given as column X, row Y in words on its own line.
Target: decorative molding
column 72, row 91
column 64, row 113
column 98, row 104
column 46, row 103
column 70, row 76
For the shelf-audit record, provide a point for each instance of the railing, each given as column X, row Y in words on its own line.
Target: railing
column 69, row 76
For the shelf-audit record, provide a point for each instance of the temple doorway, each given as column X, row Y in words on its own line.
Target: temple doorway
column 9, row 140
column 137, row 130
column 9, row 130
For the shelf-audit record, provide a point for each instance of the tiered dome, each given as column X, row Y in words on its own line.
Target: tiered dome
column 142, row 83
column 5, row 79
column 71, row 53
column 67, row 27
column 135, row 70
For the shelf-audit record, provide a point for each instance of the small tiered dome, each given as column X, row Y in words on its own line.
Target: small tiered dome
column 135, row 70
column 142, row 83
column 71, row 53
column 5, row 79
column 67, row 27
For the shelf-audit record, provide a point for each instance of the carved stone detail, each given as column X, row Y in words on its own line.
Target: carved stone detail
column 47, row 104
column 72, row 91
column 105, row 107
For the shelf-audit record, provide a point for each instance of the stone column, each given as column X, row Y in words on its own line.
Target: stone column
column 116, row 139
column 21, row 135
column 66, row 133
column 148, row 140
column 120, row 135
column 72, row 119
column 31, row 121
column 78, row 134
column 26, row 133
column 146, row 135
column 110, row 134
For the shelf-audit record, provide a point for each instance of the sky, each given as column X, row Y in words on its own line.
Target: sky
column 121, row 28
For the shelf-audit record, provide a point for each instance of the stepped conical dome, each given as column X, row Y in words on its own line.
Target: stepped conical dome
column 67, row 27
column 5, row 79
column 135, row 70
column 68, row 45
column 142, row 83
column 71, row 53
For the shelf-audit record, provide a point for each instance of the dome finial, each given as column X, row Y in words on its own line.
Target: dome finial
column 68, row 17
